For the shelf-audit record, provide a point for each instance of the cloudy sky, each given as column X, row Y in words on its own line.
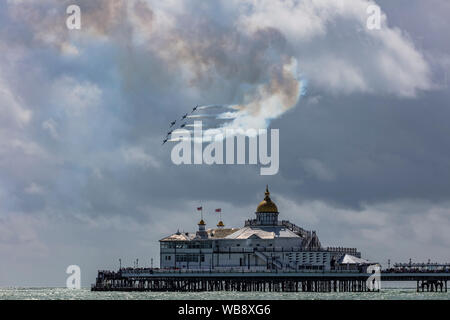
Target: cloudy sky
column 364, row 150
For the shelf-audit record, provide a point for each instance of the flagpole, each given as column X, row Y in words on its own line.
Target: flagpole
column 201, row 211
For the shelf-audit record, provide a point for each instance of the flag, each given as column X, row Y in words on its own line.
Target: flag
column 219, row 210
column 199, row 208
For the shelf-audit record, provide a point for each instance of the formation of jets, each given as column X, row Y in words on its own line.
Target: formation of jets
column 181, row 126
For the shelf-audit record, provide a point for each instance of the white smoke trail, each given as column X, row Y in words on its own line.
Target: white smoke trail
column 266, row 102
column 199, row 116
column 269, row 100
column 215, row 106
column 228, row 115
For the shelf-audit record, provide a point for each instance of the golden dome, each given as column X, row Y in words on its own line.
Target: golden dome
column 202, row 223
column 220, row 224
column 267, row 205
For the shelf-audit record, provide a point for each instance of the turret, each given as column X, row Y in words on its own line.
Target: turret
column 267, row 211
column 201, row 233
column 220, row 225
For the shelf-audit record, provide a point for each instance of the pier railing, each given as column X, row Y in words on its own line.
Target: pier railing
column 227, row 271
column 125, row 271
column 352, row 251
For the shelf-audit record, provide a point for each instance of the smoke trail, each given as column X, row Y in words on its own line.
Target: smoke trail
column 178, row 139
column 178, row 130
column 199, row 116
column 193, row 125
column 228, row 115
column 269, row 100
column 215, row 106
column 266, row 102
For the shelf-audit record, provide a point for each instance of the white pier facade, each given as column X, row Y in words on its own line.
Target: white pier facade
column 264, row 243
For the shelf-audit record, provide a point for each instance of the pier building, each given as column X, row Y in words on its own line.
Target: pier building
column 263, row 243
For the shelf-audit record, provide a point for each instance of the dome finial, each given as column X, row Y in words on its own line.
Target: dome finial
column 267, row 204
column 267, row 193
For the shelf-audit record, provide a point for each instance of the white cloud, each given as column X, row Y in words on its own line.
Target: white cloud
column 316, row 168
column 336, row 50
column 34, row 188
column 11, row 109
column 25, row 147
column 74, row 96
column 137, row 156
column 19, row 238
column 51, row 125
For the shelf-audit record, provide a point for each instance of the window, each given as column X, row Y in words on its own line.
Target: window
column 186, row 244
column 188, row 257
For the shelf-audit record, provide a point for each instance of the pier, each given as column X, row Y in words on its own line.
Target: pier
column 146, row 279
column 230, row 281
column 266, row 254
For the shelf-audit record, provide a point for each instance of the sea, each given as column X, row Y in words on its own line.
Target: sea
column 400, row 291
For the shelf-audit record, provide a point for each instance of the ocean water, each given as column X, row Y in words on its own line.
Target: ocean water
column 86, row 294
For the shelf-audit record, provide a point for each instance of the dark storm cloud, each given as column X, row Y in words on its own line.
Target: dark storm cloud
column 104, row 128
column 369, row 149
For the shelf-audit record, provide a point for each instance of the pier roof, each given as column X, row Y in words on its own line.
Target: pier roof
column 221, row 232
column 218, row 233
column 179, row 236
column 263, row 232
column 349, row 259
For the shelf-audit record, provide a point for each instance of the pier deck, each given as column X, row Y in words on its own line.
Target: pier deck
column 334, row 281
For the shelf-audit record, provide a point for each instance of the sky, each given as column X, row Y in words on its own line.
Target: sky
column 84, row 179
